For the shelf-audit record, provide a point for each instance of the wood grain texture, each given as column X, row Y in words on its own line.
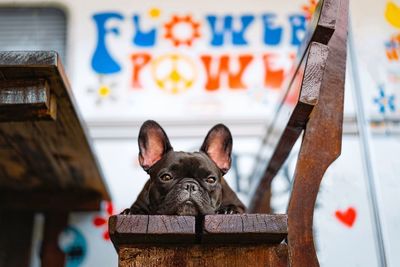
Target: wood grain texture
column 204, row 255
column 26, row 100
column 158, row 229
column 40, row 59
column 46, row 156
column 24, row 92
column 244, row 228
column 320, row 147
column 151, row 229
column 310, row 74
column 49, row 201
column 15, row 238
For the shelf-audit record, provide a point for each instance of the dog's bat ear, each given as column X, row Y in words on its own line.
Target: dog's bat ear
column 218, row 146
column 153, row 144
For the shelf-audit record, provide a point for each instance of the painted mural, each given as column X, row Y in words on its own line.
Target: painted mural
column 380, row 68
column 185, row 33
column 388, row 90
column 188, row 60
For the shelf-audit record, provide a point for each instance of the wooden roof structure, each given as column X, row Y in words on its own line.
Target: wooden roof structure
column 45, row 152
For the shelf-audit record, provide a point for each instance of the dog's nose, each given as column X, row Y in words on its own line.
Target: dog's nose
column 191, row 187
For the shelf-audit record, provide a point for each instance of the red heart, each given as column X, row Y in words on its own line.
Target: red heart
column 347, row 217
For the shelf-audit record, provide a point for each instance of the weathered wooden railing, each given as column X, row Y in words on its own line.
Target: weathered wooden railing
column 263, row 239
column 306, row 80
column 46, row 161
column 215, row 240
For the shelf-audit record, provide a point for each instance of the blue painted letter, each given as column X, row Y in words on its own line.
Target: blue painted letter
column 298, row 23
column 237, row 35
column 102, row 62
column 141, row 38
column 272, row 34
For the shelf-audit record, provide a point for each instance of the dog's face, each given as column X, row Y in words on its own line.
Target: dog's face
column 184, row 183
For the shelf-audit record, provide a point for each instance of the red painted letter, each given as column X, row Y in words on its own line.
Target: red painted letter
column 234, row 79
column 138, row 61
column 273, row 77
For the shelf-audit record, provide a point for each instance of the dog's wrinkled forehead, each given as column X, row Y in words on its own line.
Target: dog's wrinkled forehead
column 186, row 165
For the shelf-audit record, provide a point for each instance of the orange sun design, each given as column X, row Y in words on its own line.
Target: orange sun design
column 182, row 30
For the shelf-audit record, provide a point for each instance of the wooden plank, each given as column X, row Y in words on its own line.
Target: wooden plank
column 320, row 30
column 50, row 252
column 26, row 100
column 15, row 238
column 154, row 229
column 310, row 76
column 244, row 228
column 40, row 59
column 50, row 201
column 205, row 256
column 320, row 147
column 46, row 156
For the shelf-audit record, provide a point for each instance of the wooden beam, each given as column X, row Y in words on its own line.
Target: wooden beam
column 50, row 201
column 320, row 30
column 44, row 155
column 217, row 240
column 244, row 229
column 222, row 229
column 26, row 100
column 151, row 229
column 320, row 147
column 261, row 255
column 310, row 77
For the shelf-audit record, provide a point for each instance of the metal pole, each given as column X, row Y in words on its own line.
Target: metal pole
column 370, row 173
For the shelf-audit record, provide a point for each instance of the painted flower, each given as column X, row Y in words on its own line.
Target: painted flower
column 182, row 30
column 102, row 221
column 104, row 90
column 385, row 102
column 154, row 13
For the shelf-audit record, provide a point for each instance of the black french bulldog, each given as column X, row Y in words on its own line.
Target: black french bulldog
column 184, row 183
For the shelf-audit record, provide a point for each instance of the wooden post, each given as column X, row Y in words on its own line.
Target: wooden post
column 50, row 253
column 15, row 238
column 309, row 69
column 320, row 147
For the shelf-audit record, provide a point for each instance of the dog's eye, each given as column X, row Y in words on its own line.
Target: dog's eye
column 211, row 180
column 165, row 177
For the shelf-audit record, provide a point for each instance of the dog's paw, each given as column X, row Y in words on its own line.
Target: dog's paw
column 228, row 210
column 126, row 212
column 133, row 211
